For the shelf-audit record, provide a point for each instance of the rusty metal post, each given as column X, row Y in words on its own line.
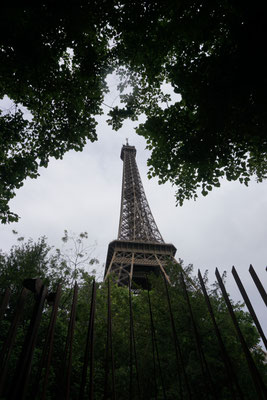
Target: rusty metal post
column 133, row 347
column 91, row 363
column 23, row 368
column 153, row 342
column 225, row 357
column 258, row 383
column 131, row 344
column 69, row 342
column 177, row 348
column 111, row 345
column 109, row 349
column 203, row 362
column 8, row 344
column 89, row 350
column 48, row 346
column 155, row 346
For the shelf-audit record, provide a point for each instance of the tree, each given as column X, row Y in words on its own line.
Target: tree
column 211, row 53
column 30, row 259
column 154, row 372
column 53, row 65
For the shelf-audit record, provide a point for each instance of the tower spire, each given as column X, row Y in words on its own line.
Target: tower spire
column 140, row 248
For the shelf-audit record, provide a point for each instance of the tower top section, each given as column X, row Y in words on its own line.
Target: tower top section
column 136, row 220
column 129, row 149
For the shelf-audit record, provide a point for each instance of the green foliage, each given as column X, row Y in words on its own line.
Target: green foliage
column 211, row 54
column 29, row 259
column 53, row 65
column 50, row 269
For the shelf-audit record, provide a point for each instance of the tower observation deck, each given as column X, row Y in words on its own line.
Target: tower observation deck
column 139, row 248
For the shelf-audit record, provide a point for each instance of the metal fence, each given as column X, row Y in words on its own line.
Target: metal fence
column 16, row 369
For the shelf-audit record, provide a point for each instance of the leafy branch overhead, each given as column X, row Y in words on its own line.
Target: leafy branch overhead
column 53, row 66
column 211, row 53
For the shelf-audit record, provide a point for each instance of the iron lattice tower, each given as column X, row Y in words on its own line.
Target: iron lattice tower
column 140, row 248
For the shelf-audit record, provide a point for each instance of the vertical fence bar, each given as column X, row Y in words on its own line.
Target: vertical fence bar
column 154, row 367
column 106, row 385
column 8, row 344
column 89, row 349
column 69, row 340
column 258, row 383
column 109, row 348
column 177, row 347
column 258, row 284
column 91, row 363
column 46, row 358
column 155, row 345
column 21, row 377
column 227, row 363
column 35, row 332
column 203, row 362
column 111, row 345
column 132, row 341
column 4, row 302
column 249, row 306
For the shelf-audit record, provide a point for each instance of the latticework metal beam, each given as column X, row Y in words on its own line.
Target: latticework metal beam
column 140, row 248
column 133, row 260
column 136, row 219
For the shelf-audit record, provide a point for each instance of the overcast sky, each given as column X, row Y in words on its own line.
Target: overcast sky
column 82, row 193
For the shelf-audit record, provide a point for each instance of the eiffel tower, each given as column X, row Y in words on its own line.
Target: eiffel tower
column 139, row 248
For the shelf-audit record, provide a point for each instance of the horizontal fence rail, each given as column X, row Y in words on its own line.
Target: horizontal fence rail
column 64, row 344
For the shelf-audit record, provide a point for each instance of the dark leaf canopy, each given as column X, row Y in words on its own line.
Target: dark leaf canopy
column 212, row 54
column 54, row 59
column 53, row 64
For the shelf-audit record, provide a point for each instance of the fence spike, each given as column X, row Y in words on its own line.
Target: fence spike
column 258, row 383
column 249, row 305
column 258, row 284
